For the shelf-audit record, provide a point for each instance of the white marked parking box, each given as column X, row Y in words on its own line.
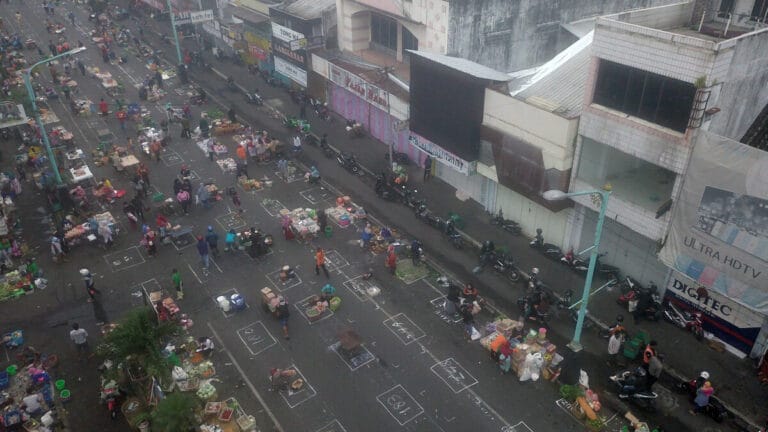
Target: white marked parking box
column 355, row 359
column 405, row 329
column 334, row 426
column 256, row 338
column 453, row 375
column 303, row 305
column 289, row 283
column 359, row 287
column 438, row 306
column 124, row 259
column 334, row 260
column 400, row 404
column 316, row 194
column 295, row 398
column 272, row 207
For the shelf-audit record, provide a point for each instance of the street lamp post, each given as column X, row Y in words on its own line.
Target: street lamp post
column 31, row 93
column 556, row 195
column 175, row 33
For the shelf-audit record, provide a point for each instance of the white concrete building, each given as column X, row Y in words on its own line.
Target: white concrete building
column 655, row 76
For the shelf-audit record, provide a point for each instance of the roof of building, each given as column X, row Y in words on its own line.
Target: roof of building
column 247, row 14
column 559, row 84
column 307, row 9
column 463, row 65
column 581, row 27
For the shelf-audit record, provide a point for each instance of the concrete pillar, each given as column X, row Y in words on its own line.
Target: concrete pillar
column 399, row 55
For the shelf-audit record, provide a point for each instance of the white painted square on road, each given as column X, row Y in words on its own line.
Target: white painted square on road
column 295, row 398
column 334, row 426
column 405, row 329
column 124, row 259
column 256, row 338
column 272, row 206
column 400, row 404
column 354, row 360
column 316, row 194
column 453, row 375
column 334, row 260
column 309, row 302
column 359, row 287
column 281, row 286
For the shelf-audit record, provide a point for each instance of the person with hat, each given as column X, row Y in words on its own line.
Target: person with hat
column 90, row 285
column 283, row 312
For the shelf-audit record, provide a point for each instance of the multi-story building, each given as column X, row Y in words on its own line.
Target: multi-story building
column 656, row 76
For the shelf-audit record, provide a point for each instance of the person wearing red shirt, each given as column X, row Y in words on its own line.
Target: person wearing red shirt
column 103, row 108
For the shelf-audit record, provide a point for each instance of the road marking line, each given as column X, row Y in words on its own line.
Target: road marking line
column 247, row 381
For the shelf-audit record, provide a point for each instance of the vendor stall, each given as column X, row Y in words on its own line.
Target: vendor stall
column 224, row 127
column 60, row 136
column 81, row 174
column 227, row 164
column 302, row 222
column 88, row 231
column 218, row 148
column 164, row 305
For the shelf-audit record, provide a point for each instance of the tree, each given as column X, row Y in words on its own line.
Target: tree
column 175, row 413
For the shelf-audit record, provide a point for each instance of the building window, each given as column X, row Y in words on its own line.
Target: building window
column 726, row 8
column 655, row 98
column 409, row 42
column 760, row 10
column 384, row 32
column 632, row 179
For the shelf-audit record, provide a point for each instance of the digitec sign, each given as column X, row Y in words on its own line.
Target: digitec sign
column 713, row 304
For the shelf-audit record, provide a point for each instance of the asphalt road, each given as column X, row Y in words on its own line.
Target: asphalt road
column 403, row 384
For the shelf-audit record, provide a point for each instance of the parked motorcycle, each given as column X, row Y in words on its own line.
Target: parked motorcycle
column 254, row 98
column 714, row 409
column 399, row 157
column 634, row 292
column 454, row 237
column 686, row 320
column 429, row 218
column 574, row 262
column 383, row 190
column 633, row 386
column 548, row 249
column 348, row 161
column 506, row 224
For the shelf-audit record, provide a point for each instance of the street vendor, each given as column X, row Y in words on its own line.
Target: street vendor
column 204, row 346
column 327, row 293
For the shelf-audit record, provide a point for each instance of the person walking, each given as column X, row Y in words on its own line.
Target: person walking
column 178, row 285
column 427, row 168
column 183, row 198
column 655, row 367
column 702, row 397
column 283, row 312
column 71, row 16
column 614, row 345
column 391, row 261
column 185, row 130
column 213, row 241
column 81, row 66
column 202, row 249
column 80, row 338
column 320, row 262
column 90, row 285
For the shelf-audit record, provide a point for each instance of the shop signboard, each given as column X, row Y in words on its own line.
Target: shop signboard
column 257, row 52
column 283, row 49
column 734, row 324
column 285, row 34
column 719, row 235
column 440, row 154
column 360, row 87
column 290, row 70
column 201, row 16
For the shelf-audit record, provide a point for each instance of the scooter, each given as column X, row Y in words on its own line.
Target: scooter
column 454, row 237
column 398, row 157
column 635, row 291
column 574, row 262
column 348, row 161
column 506, row 224
column 690, row 321
column 714, row 408
column 503, row 264
column 254, row 98
column 631, row 386
column 548, row 249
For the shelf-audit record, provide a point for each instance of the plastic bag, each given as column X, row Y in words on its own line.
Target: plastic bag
column 475, row 334
column 178, row 374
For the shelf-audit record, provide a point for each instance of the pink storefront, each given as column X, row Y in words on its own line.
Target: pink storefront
column 376, row 121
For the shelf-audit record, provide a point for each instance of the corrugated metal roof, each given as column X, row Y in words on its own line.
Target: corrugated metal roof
column 307, row 9
column 249, row 15
column 463, row 65
column 558, row 85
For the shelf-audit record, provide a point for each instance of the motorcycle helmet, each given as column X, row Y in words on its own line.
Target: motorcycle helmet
column 538, row 231
column 704, row 374
column 640, row 372
column 86, row 272
column 210, row 228
column 619, row 318
column 535, row 271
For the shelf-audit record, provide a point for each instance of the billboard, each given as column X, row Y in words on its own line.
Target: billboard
column 719, row 231
column 732, row 323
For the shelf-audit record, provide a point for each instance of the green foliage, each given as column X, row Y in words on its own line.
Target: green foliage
column 570, row 392
column 595, row 424
column 175, row 413
column 138, row 336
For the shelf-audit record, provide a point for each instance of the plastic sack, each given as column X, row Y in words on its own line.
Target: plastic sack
column 179, row 374
column 475, row 334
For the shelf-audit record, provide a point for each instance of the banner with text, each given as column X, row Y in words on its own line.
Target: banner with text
column 734, row 324
column 719, row 232
column 362, row 88
column 443, row 156
column 291, row 71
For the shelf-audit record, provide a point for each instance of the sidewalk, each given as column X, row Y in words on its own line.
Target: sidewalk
column 735, row 380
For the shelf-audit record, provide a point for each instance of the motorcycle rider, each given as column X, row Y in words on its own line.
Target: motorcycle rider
column 486, row 252
column 538, row 241
column 636, row 382
column 415, row 252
